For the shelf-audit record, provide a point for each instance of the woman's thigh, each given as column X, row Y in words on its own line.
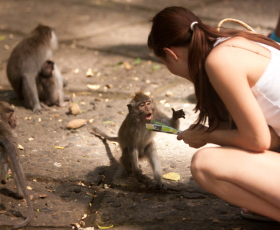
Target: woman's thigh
column 258, row 173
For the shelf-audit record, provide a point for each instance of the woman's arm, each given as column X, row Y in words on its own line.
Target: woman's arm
column 228, row 69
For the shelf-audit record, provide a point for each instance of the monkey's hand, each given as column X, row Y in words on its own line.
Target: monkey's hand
column 178, row 114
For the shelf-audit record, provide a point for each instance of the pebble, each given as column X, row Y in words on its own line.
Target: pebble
column 77, row 190
column 181, row 206
column 162, row 199
column 168, row 94
column 116, row 205
column 192, row 195
column 221, row 211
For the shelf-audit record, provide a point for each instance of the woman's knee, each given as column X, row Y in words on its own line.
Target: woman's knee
column 203, row 162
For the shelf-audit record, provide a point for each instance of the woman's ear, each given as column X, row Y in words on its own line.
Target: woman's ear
column 171, row 53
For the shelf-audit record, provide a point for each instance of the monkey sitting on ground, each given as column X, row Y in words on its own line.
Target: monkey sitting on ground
column 26, row 61
column 9, row 158
column 136, row 141
column 50, row 86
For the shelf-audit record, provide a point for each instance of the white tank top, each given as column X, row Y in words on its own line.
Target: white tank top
column 267, row 88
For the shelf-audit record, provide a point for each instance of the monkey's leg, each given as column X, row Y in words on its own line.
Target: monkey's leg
column 44, row 106
column 134, row 159
column 19, row 190
column 151, row 153
column 30, row 93
column 4, row 173
column 125, row 162
column 61, row 101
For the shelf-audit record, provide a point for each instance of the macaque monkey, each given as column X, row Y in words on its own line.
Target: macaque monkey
column 26, row 61
column 9, row 158
column 50, row 85
column 136, row 141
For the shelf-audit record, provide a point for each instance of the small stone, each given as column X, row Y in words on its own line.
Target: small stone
column 77, row 123
column 181, row 206
column 6, row 47
column 168, row 94
column 162, row 199
column 65, row 194
column 77, row 190
column 111, row 201
column 74, row 108
column 221, row 211
column 109, row 86
column 172, row 165
column 192, row 195
column 117, row 205
column 121, row 194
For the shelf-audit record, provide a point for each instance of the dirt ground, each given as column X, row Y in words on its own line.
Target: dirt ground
column 73, row 175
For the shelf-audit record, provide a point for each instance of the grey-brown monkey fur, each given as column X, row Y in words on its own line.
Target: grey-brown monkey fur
column 137, row 142
column 50, row 85
column 26, row 61
column 9, row 158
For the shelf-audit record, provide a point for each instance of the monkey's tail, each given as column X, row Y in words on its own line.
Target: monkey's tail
column 10, row 148
column 102, row 134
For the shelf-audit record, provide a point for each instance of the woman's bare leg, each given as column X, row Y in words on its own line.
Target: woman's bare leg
column 247, row 179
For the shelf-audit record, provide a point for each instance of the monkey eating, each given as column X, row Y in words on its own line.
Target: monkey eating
column 136, row 141
column 25, row 63
column 9, row 158
column 50, row 86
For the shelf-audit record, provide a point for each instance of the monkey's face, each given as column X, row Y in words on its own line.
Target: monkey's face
column 145, row 108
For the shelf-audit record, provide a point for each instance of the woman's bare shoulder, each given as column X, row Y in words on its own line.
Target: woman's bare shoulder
column 223, row 54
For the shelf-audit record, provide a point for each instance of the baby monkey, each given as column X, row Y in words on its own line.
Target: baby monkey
column 9, row 157
column 136, row 142
column 50, row 86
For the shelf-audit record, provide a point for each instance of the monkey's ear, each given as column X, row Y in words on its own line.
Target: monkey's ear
column 129, row 106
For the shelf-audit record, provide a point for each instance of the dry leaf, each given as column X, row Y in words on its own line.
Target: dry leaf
column 109, row 86
column 84, row 216
column 127, row 66
column 77, row 123
column 82, row 223
column 30, row 139
column 43, row 195
column 29, row 188
column 57, row 164
column 105, row 227
column 89, row 73
column 91, row 120
column 59, row 147
column 20, row 147
column 171, row 176
column 94, row 87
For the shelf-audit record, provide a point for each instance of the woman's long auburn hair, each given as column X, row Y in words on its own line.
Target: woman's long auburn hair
column 171, row 28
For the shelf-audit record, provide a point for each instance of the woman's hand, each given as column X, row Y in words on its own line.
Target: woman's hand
column 194, row 137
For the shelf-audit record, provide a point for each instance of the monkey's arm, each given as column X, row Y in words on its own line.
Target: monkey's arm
column 30, row 92
column 134, row 159
column 173, row 121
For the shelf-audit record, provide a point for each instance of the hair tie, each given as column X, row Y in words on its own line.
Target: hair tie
column 193, row 23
